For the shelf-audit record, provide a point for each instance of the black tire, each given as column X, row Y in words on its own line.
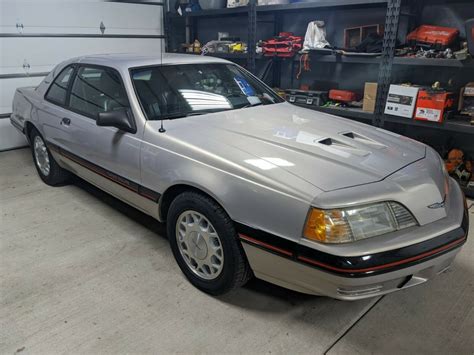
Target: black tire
column 57, row 175
column 236, row 270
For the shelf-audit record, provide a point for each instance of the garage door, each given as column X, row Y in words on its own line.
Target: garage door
column 37, row 35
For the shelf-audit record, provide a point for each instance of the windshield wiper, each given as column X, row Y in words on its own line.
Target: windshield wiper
column 252, row 105
column 172, row 116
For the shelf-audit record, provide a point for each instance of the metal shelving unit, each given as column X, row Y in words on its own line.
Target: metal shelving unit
column 242, row 10
column 454, row 125
column 347, row 59
column 348, row 112
column 385, row 61
column 282, row 8
column 251, row 12
column 375, row 60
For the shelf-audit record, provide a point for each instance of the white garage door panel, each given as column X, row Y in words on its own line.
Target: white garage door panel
column 142, row 17
column 10, row 137
column 42, row 54
column 7, row 90
column 41, row 51
column 42, row 17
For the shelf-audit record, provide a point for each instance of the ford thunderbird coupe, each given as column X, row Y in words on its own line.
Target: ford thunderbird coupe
column 248, row 184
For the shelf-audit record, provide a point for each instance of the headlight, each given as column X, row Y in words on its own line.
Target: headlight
column 356, row 223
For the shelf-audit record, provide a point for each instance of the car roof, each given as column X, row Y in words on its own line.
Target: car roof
column 131, row 60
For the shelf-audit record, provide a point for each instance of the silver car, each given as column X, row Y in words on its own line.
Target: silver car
column 247, row 183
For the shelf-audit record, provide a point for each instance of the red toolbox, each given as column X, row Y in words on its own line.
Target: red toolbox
column 436, row 37
column 433, row 105
column 285, row 45
column 343, row 95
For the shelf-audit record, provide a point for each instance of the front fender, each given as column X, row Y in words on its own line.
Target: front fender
column 246, row 199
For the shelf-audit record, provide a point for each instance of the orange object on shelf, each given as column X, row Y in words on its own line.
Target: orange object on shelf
column 433, row 106
column 433, row 36
column 342, row 95
column 455, row 158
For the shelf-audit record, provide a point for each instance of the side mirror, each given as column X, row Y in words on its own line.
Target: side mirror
column 120, row 119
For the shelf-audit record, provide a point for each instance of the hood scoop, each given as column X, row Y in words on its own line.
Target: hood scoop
column 341, row 148
column 364, row 140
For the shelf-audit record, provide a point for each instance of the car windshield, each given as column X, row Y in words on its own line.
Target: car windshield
column 175, row 91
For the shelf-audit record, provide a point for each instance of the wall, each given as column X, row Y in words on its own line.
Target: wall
column 37, row 35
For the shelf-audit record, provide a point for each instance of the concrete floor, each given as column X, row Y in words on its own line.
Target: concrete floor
column 83, row 273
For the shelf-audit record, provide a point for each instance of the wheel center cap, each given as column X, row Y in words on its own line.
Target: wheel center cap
column 197, row 245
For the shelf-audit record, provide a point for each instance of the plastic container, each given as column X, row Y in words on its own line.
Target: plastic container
column 237, row 3
column 433, row 36
column 272, row 2
column 342, row 95
column 213, row 4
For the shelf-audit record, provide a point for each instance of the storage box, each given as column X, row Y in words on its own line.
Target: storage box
column 370, row 94
column 433, row 106
column 237, row 3
column 436, row 37
column 272, row 2
column 401, row 100
column 466, row 101
column 315, row 98
column 342, row 95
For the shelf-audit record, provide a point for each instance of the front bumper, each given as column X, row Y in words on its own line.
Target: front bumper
column 306, row 279
column 307, row 270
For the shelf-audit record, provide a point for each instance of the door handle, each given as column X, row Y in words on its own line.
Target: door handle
column 65, row 121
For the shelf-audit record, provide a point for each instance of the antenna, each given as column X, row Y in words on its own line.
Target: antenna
column 161, row 130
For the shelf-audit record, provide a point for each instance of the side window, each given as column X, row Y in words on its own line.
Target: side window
column 97, row 90
column 58, row 90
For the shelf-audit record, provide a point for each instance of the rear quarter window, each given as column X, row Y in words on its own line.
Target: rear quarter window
column 57, row 92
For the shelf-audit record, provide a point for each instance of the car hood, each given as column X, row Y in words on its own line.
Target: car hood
column 279, row 140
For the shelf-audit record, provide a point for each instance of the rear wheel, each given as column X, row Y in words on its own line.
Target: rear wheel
column 205, row 244
column 48, row 169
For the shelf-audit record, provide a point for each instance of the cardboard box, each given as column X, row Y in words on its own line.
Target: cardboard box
column 433, row 106
column 401, row 101
column 370, row 94
column 353, row 36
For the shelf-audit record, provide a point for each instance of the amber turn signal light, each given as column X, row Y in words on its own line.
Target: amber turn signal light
column 315, row 228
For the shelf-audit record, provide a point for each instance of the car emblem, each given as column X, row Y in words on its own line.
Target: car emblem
column 438, row 204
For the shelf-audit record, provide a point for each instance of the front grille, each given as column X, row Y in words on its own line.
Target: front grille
column 403, row 217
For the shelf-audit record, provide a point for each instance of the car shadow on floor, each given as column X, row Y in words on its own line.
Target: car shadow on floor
column 141, row 218
column 254, row 285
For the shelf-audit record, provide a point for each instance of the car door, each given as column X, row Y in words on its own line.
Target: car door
column 105, row 156
column 97, row 89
